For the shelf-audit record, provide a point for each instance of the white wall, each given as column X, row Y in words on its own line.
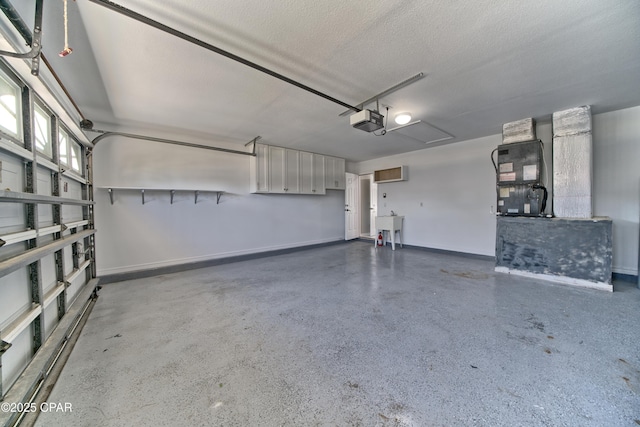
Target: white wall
column 616, row 181
column 134, row 237
column 456, row 184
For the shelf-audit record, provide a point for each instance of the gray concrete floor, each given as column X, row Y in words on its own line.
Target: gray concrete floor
column 348, row 335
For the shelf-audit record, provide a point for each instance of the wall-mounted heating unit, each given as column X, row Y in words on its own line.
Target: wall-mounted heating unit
column 518, row 173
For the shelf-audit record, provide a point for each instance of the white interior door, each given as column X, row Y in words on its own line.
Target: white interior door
column 351, row 209
column 373, row 209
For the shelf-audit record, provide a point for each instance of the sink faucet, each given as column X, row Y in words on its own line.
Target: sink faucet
column 393, row 213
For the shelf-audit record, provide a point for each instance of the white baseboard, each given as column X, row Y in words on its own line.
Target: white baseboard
column 219, row 255
column 603, row 286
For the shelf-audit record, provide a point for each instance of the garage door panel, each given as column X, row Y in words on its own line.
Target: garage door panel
column 50, row 318
column 17, row 357
column 12, row 174
column 12, row 218
column 48, row 272
column 68, row 260
column 10, row 251
column 71, row 213
column 45, row 215
column 44, row 181
column 15, row 297
column 75, row 287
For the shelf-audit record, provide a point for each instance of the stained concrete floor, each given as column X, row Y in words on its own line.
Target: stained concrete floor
column 348, row 335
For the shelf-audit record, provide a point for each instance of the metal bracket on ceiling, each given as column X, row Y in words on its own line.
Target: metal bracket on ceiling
column 33, row 40
column 254, row 141
column 106, row 134
column 392, row 89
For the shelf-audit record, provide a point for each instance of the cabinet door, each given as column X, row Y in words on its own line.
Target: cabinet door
column 339, row 173
column 329, row 175
column 277, row 164
column 318, row 174
column 260, row 170
column 334, row 173
column 307, row 173
column 292, row 171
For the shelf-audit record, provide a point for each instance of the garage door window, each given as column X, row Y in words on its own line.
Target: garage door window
column 70, row 151
column 42, row 130
column 9, row 106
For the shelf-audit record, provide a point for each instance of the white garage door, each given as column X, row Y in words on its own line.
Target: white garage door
column 46, row 225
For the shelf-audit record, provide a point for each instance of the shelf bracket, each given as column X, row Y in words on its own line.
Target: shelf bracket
column 172, row 193
column 111, row 195
column 218, row 195
column 142, row 193
column 196, row 194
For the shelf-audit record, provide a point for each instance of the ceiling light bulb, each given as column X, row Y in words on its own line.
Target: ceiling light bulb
column 403, row 118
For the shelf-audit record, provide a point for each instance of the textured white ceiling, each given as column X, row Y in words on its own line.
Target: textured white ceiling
column 486, row 62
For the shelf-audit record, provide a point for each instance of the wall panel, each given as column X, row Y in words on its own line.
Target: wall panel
column 158, row 233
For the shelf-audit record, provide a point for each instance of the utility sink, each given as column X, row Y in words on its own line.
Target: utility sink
column 392, row 224
column 389, row 222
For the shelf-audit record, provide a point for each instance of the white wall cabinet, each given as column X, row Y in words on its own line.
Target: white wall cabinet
column 259, row 170
column 334, row 173
column 285, row 171
column 276, row 169
column 312, row 173
column 319, row 173
column 292, row 171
